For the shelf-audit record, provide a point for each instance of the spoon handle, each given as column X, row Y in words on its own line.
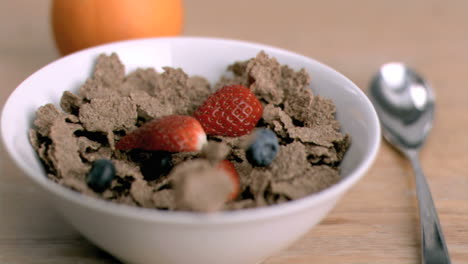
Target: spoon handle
column 434, row 249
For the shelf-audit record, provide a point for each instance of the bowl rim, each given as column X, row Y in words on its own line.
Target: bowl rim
column 222, row 217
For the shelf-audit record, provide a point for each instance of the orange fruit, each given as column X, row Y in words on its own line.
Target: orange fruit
column 79, row 24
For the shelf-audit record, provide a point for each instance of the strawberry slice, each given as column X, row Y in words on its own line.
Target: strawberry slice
column 231, row 111
column 173, row 133
column 229, row 168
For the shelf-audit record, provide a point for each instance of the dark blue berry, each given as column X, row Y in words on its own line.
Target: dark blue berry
column 159, row 164
column 263, row 149
column 100, row 176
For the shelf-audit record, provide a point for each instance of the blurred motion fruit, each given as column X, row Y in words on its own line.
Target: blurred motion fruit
column 229, row 168
column 80, row 24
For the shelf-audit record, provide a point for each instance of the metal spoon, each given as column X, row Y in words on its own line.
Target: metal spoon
column 405, row 105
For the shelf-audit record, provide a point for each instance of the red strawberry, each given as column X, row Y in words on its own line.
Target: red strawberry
column 174, row 133
column 229, row 168
column 231, row 111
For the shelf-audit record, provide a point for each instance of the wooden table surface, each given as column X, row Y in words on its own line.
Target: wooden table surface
column 376, row 222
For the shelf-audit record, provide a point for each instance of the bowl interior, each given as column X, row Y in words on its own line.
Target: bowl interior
column 201, row 56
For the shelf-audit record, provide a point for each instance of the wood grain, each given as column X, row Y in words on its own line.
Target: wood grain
column 376, row 222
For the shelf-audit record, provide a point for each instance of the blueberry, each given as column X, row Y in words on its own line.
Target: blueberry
column 264, row 148
column 100, row 176
column 160, row 164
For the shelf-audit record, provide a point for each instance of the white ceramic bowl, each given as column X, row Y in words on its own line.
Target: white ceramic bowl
column 136, row 235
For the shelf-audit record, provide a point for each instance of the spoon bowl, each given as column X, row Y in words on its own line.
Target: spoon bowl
column 405, row 105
